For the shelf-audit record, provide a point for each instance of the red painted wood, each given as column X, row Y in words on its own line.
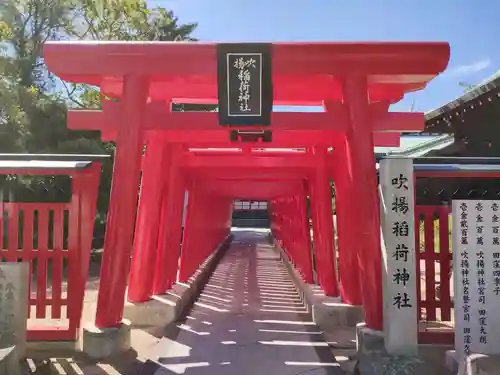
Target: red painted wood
column 27, row 252
column 144, row 253
column 437, row 337
column 281, row 139
column 443, row 258
column 51, row 333
column 444, row 264
column 429, row 256
column 159, row 118
column 303, row 69
column 41, row 269
column 418, row 258
column 122, row 205
column 349, row 77
column 57, row 263
column 13, row 233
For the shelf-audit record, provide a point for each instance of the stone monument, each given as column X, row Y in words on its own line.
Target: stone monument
column 14, row 304
column 398, row 252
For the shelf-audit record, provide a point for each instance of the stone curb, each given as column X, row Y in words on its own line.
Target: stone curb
column 164, row 309
column 158, row 312
column 327, row 312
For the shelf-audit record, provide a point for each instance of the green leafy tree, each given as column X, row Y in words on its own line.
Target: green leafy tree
column 33, row 102
column 466, row 86
column 124, row 20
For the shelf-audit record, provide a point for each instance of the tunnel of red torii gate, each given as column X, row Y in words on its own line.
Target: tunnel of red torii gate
column 190, row 151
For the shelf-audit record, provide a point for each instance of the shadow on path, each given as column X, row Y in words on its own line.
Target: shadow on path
column 249, row 319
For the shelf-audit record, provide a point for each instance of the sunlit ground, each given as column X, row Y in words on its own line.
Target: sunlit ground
column 249, row 319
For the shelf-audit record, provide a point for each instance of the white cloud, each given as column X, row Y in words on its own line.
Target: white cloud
column 467, row 69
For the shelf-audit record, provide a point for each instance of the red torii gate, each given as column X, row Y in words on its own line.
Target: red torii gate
column 356, row 83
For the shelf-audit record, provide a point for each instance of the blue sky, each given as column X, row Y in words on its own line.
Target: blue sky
column 471, row 28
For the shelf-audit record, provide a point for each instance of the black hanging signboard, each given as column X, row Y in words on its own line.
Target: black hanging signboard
column 244, row 75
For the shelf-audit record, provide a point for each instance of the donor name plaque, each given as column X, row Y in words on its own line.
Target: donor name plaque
column 245, row 88
column 476, row 256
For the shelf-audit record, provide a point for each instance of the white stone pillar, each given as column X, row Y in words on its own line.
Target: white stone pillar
column 399, row 256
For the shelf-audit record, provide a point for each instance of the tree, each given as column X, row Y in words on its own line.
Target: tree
column 466, row 86
column 129, row 20
column 33, row 103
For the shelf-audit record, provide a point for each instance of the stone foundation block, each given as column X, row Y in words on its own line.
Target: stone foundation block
column 100, row 343
column 164, row 309
column 369, row 341
column 376, row 364
column 373, row 358
column 328, row 312
column 160, row 310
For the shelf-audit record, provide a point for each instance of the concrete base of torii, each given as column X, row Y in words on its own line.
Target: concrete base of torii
column 164, row 309
column 328, row 312
column 100, row 343
column 159, row 311
column 373, row 359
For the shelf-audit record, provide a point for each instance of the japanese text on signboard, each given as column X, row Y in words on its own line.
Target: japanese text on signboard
column 398, row 251
column 245, row 89
column 401, row 232
column 477, row 275
column 246, row 72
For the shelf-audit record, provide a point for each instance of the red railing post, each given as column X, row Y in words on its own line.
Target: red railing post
column 74, row 244
column 430, row 270
column 444, row 263
column 87, row 185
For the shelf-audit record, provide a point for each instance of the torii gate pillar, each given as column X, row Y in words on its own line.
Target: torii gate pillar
column 142, row 267
column 345, row 205
column 361, row 159
column 170, row 224
column 322, row 221
column 122, row 204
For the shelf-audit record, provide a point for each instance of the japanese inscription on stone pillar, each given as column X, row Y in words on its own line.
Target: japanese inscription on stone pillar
column 398, row 247
column 476, row 251
column 244, row 84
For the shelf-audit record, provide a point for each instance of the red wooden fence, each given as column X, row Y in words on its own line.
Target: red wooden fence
column 55, row 238
column 434, row 249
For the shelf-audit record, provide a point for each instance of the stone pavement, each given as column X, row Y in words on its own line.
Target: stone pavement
column 249, row 319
